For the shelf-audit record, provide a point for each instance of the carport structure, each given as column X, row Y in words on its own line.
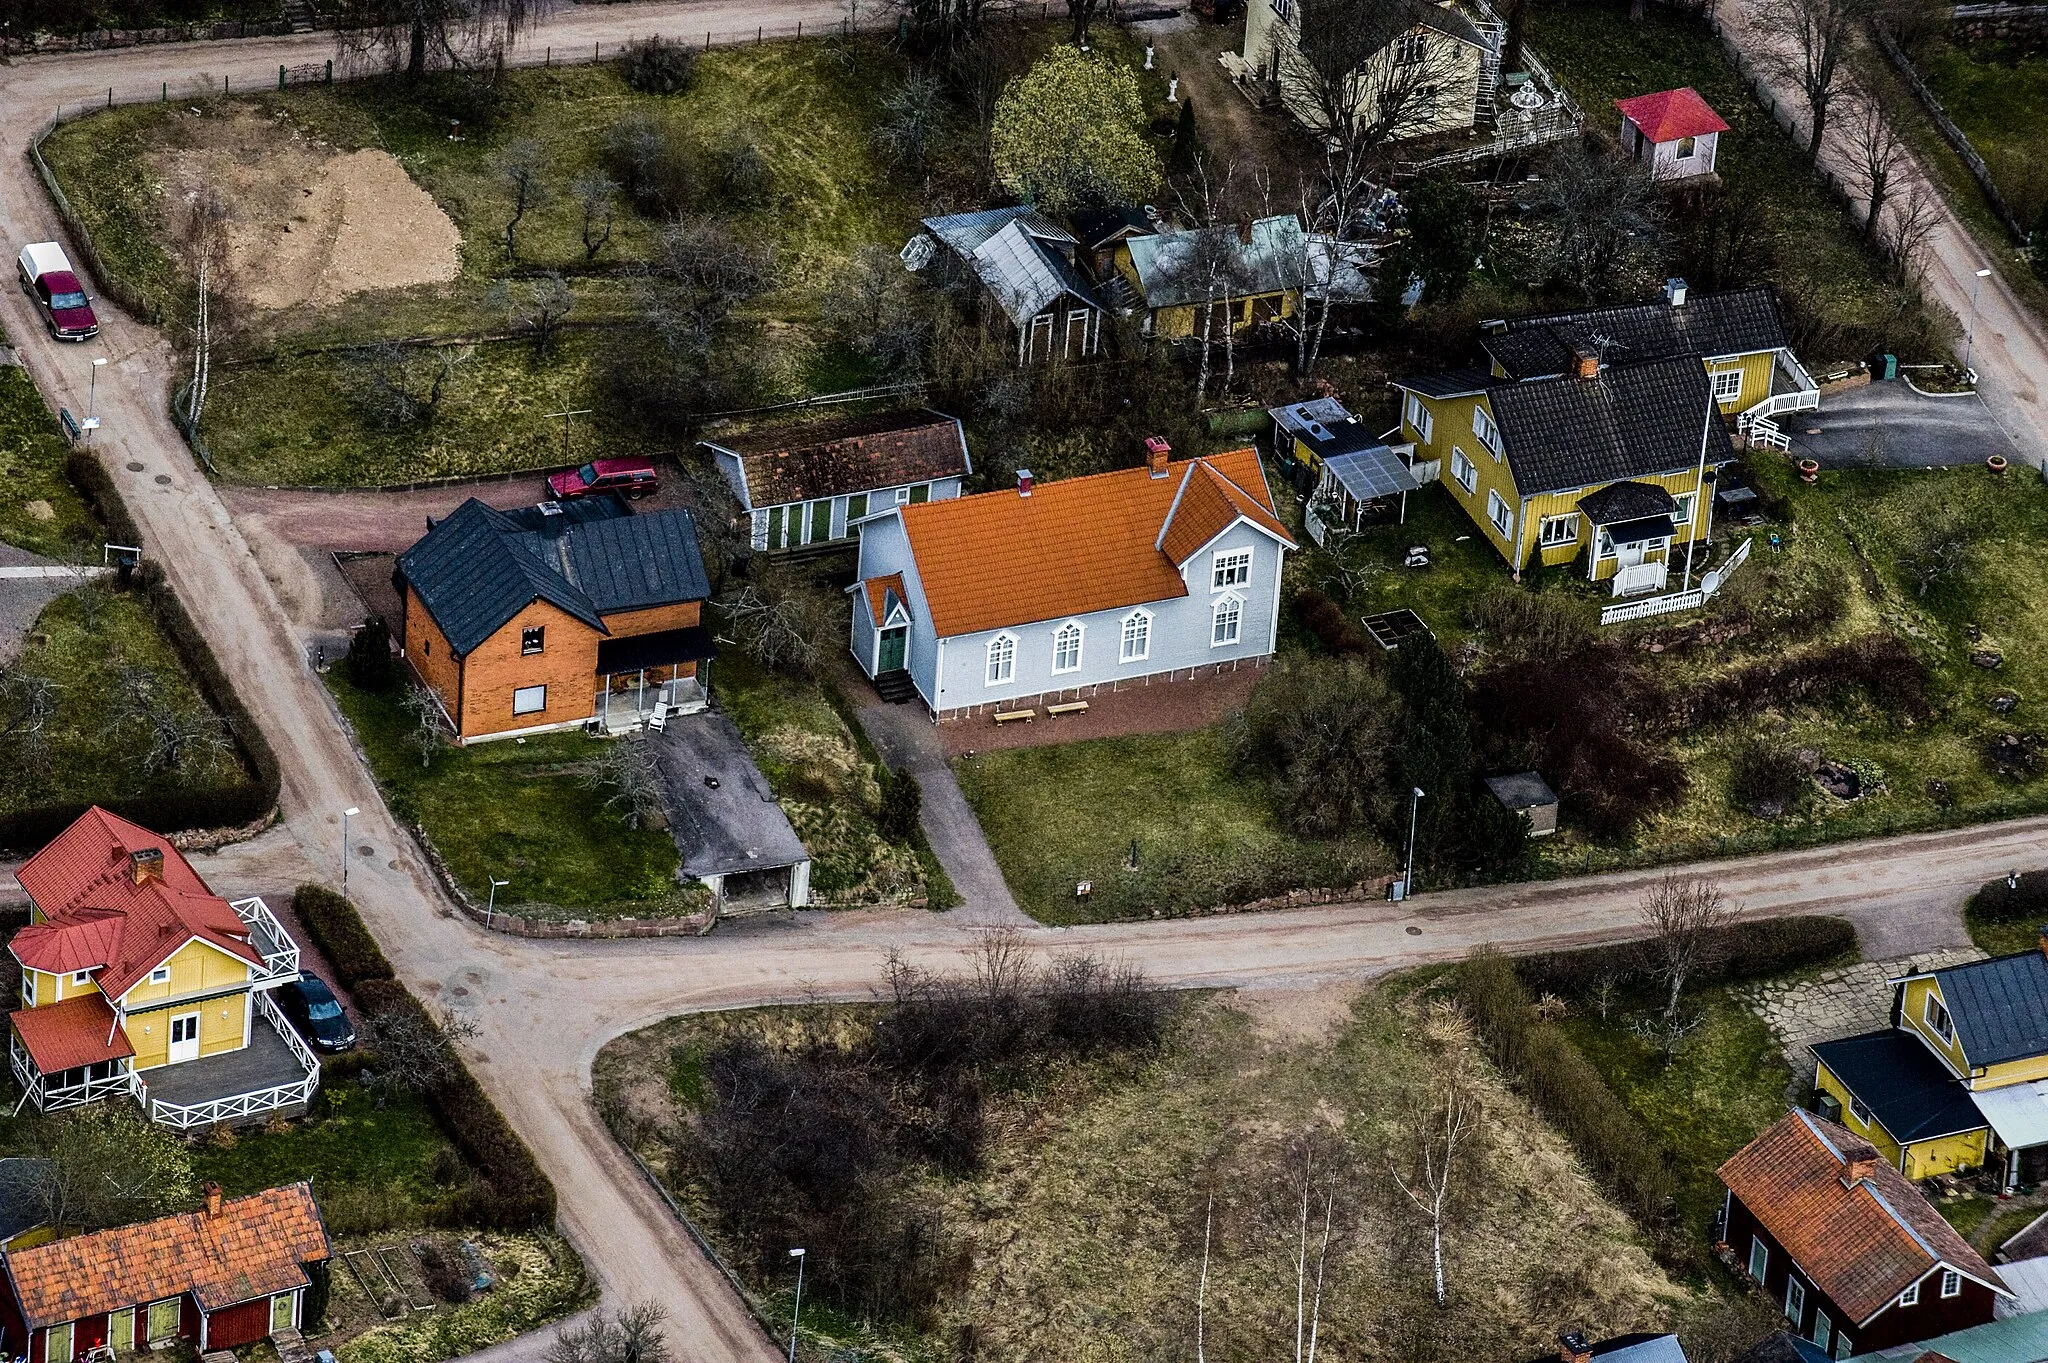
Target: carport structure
column 733, row 836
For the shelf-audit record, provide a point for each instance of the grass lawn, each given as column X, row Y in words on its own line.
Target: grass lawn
column 1838, row 291
column 40, row 510
column 1080, row 1232
column 1996, row 92
column 1726, row 1085
column 828, row 781
column 515, row 810
column 540, row 1279
column 1070, row 812
column 2001, row 939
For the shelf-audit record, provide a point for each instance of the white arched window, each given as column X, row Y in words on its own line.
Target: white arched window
column 1066, row 647
column 1135, row 643
column 1002, row 659
column 1227, row 620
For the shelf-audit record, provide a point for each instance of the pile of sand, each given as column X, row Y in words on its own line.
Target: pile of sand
column 310, row 225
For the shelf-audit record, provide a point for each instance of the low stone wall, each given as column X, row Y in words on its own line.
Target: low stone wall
column 2023, row 24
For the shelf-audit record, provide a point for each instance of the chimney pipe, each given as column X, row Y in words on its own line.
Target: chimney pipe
column 1157, row 452
column 212, row 1199
column 1023, row 482
column 1573, row 1348
column 1674, row 292
column 146, row 864
column 1858, row 1164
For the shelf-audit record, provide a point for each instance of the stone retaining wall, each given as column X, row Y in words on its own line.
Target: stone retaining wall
column 2023, row 24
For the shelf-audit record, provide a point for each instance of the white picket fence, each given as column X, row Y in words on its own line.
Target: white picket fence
column 1678, row 601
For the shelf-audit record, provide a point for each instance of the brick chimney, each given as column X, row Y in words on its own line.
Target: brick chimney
column 146, row 864
column 1586, row 361
column 212, row 1199
column 1573, row 1348
column 1023, row 482
column 1157, row 452
column 1859, row 1162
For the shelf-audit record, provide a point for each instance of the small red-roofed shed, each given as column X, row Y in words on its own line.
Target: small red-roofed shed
column 1674, row 131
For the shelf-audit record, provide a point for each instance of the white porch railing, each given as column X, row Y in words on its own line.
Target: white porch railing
column 186, row 1116
column 1802, row 396
column 1678, row 601
column 55, row 1098
column 1765, row 433
column 279, row 952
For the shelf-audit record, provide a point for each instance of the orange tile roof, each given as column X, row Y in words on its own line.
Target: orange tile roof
column 78, row 1031
column 878, row 589
column 95, row 917
column 254, row 1248
column 1079, row 544
column 1863, row 1243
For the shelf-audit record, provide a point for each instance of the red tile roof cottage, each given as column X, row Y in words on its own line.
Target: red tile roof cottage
column 1052, row 593
column 137, row 979
column 1851, row 1252
column 234, row 1272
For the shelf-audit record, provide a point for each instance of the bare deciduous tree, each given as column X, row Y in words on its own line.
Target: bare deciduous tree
column 425, row 733
column 1916, row 214
column 1443, row 1139
column 625, row 775
column 943, row 25
column 873, row 305
column 1208, row 262
column 106, row 1166
column 416, row 1050
column 415, row 34
column 203, row 242
column 402, row 385
column 914, row 118
column 1607, row 215
column 537, row 307
column 28, row 702
column 1685, row 916
column 1815, row 35
column 1874, row 153
column 522, row 168
column 629, row 1335
column 172, row 734
column 783, row 620
column 597, row 196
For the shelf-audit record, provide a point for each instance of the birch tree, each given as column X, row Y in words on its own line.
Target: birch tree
column 1443, row 1140
column 1685, row 916
column 204, row 244
column 413, row 35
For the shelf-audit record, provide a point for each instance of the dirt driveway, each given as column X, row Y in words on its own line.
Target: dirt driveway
column 1231, row 128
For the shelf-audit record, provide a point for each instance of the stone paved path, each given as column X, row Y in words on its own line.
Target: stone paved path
column 1838, row 1003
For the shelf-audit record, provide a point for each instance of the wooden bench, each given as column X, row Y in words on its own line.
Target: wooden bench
column 1005, row 716
column 1072, row 707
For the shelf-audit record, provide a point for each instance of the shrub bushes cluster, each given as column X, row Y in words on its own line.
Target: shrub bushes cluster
column 1880, row 664
column 369, row 663
column 1529, row 624
column 510, row 1192
column 1195, row 880
column 1557, row 1077
column 1765, row 778
column 815, row 1143
column 1322, row 733
column 1739, row 951
column 1330, row 624
column 669, row 174
column 1785, row 597
column 658, row 66
column 2026, row 902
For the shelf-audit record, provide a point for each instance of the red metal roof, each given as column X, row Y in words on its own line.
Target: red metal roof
column 78, row 1031
column 95, row 916
column 1671, row 114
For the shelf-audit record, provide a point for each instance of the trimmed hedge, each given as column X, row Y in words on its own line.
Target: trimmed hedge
column 338, row 931
column 511, row 1193
column 1556, row 1076
column 1741, row 951
column 2025, row 903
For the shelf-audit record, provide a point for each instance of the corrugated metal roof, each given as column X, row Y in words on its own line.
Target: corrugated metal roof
column 1170, row 273
column 2000, row 1006
column 2020, row 1339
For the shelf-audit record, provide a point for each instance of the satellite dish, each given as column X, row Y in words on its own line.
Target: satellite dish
column 917, row 252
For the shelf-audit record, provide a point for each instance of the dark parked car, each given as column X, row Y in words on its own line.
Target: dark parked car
column 314, row 1010
column 634, row 478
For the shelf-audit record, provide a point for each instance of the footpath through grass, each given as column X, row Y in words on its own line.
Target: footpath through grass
column 1205, row 836
column 517, row 810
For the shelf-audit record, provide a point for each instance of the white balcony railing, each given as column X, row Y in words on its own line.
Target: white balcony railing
column 50, row 1097
column 229, row 1107
column 279, row 952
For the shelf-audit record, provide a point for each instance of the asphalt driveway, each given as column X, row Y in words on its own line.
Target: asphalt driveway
column 1888, row 425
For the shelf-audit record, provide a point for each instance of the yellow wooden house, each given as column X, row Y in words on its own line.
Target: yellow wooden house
column 1960, row 1080
column 1600, row 467
column 1252, row 276
column 138, row 981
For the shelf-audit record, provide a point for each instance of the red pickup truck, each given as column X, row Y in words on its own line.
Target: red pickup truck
column 634, row 478
column 47, row 277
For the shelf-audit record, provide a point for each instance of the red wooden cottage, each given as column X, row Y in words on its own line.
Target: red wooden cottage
column 232, row 1273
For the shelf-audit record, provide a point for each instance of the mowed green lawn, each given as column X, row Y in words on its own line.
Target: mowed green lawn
column 1998, row 96
column 1205, row 835
column 516, row 811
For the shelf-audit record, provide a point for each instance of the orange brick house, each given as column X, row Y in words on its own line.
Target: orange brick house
column 232, row 1273
column 554, row 616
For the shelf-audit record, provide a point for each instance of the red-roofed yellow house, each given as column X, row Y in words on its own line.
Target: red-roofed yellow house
column 1057, row 592
column 137, row 979
column 230, row 1274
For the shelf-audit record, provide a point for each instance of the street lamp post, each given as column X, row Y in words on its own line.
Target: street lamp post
column 1408, row 873
column 797, row 1314
column 1970, row 332
column 92, row 393
column 492, row 905
column 346, row 815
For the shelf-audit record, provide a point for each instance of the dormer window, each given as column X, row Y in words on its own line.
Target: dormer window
column 1938, row 1020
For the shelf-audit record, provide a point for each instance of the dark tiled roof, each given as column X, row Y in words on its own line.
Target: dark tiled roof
column 1706, row 324
column 478, row 568
column 2000, row 1006
column 1631, row 421
column 1627, row 501
column 847, row 454
column 1097, row 227
column 1453, row 383
column 1902, row 1084
column 1522, row 790
column 21, row 1195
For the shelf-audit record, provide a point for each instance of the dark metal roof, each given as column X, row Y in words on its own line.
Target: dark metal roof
column 479, row 567
column 1783, row 1346
column 1740, row 322
column 1523, row 790
column 22, row 1203
column 1635, row 532
column 1627, row 501
column 688, row 645
column 1629, row 421
column 1453, row 383
column 1903, row 1085
column 2000, row 1006
column 1098, row 227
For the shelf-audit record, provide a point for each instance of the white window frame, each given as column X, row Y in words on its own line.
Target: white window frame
column 1681, row 513
column 1759, row 1258
column 1823, row 1330
column 1464, row 471
column 1075, row 630
column 1229, row 608
column 999, row 667
column 160, row 975
column 28, row 987
column 1951, row 1283
column 81, row 977
column 1859, row 1110
column 1285, row 9
column 1795, row 1300
column 1844, row 1346
column 523, row 702
column 1946, row 1028
column 1687, row 148
column 1420, row 419
column 1911, row 1296
column 1230, row 568
column 1725, row 392
column 903, row 496
column 1549, row 530
column 1484, row 431
column 1500, row 514
column 1134, row 637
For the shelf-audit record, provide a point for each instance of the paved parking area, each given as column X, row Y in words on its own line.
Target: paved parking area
column 1888, row 425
